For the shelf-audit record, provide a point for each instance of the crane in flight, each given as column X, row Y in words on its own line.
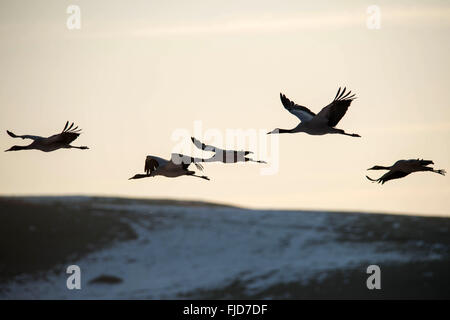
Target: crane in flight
column 322, row 123
column 57, row 141
column 222, row 155
column 402, row 168
column 175, row 167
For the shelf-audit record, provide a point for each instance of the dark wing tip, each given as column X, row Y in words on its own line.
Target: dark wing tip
column 373, row 180
column 285, row 101
column 339, row 90
column 70, row 128
column 341, row 95
column 283, row 97
column 346, row 95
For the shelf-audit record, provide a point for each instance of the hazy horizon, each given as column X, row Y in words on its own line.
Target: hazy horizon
column 138, row 71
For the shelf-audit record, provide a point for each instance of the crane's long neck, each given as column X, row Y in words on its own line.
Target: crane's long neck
column 381, row 168
column 18, row 148
column 22, row 147
column 278, row 130
column 285, row 130
column 140, row 176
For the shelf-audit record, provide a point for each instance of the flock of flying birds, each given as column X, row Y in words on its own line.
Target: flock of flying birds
column 315, row 124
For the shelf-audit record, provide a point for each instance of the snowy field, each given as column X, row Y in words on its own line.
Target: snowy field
column 189, row 250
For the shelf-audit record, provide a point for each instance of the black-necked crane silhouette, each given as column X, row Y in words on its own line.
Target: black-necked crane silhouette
column 322, row 123
column 222, row 155
column 402, row 168
column 57, row 141
column 175, row 167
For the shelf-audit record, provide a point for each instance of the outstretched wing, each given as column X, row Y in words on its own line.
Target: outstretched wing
column 337, row 109
column 152, row 163
column 203, row 146
column 301, row 112
column 391, row 175
column 412, row 165
column 178, row 158
column 63, row 137
column 26, row 136
column 67, row 135
column 70, row 128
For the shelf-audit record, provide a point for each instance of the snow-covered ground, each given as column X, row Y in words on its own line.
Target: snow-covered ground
column 181, row 249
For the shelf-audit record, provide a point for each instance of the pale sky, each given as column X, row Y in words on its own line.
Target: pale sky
column 139, row 71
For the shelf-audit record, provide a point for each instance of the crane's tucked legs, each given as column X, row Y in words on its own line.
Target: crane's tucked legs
column 81, row 148
column 340, row 131
column 251, row 160
column 440, row 171
column 192, row 174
